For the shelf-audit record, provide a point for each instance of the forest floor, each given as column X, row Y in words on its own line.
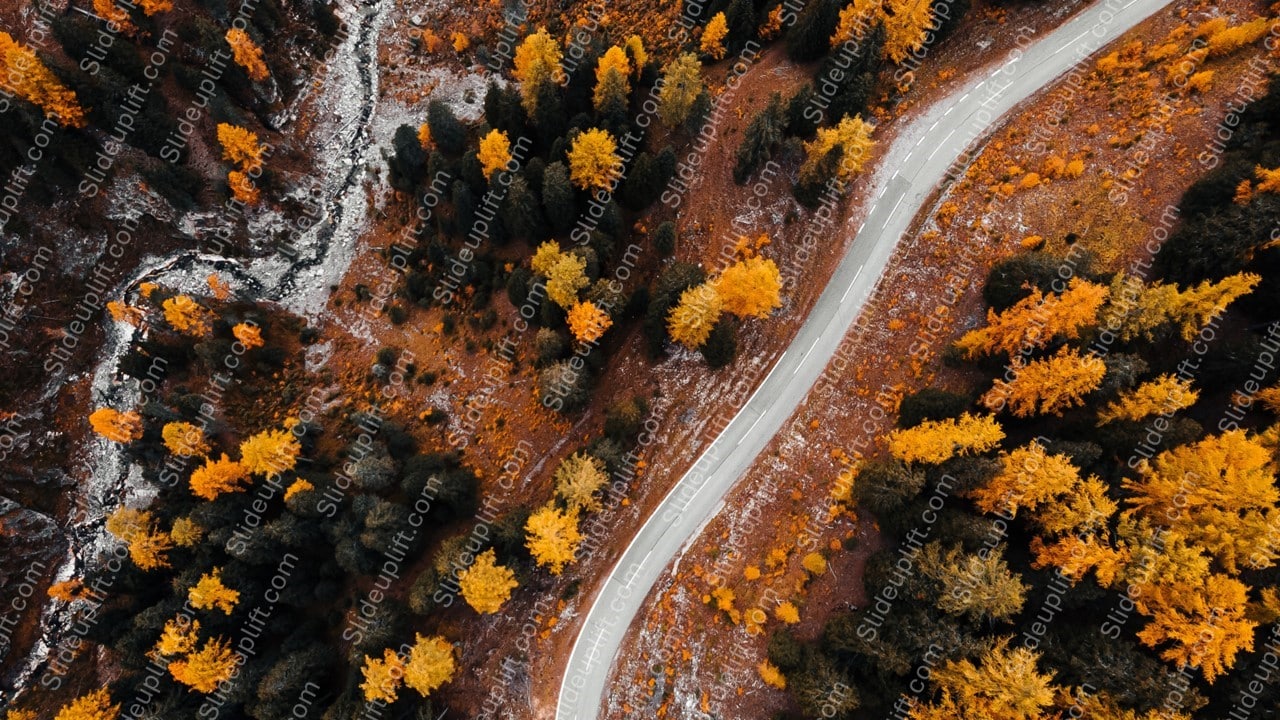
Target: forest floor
column 930, row 295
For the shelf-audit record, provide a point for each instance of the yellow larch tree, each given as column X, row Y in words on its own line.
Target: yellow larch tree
column 906, row 25
column 95, row 705
column 270, row 452
column 1037, row 319
column 1028, row 478
column 565, row 278
column 137, row 529
column 243, row 188
column 210, row 592
column 855, row 20
column 247, row 54
column 185, row 439
column 296, row 488
column 240, row 146
column 613, row 83
column 593, row 160
column 638, row 56
column 1219, row 492
column 187, row 316
column 1083, row 508
column 430, row 664
column 1075, row 555
column 1047, row 386
column 1159, row 305
column 207, row 668
column 486, row 585
column 154, row 7
column 691, row 321
column 680, row 86
column 552, row 537
column 116, row 426
column 185, row 532
column 545, row 257
column 1268, row 180
column 787, row 612
column 1227, row 41
column 770, row 673
column 111, row 12
column 382, row 677
column 750, row 287
column 216, row 477
column 1204, row 625
column 1004, row 685
column 712, row 42
column 249, row 335
column 179, row 637
column 1164, row 395
column 494, row 153
column 852, row 135
column 28, row 78
column 536, row 61
column 578, row 478
column 936, row 441
column 588, row 322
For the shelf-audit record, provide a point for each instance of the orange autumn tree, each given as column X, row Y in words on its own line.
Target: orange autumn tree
column 936, row 441
column 1155, row 307
column 613, row 83
column 1028, row 478
column 750, row 287
column 240, row 146
column 184, row 439
column 211, row 593
column 593, row 160
column 552, row 536
column 382, row 677
column 249, row 335
column 907, row 24
column 1219, row 492
column 565, row 273
column 247, row 54
column 24, row 75
column 187, row 316
column 588, row 322
column 1036, row 320
column 179, row 637
column 153, row 7
column 536, row 62
column 494, row 153
column 1003, row 685
column 712, row 42
column 204, row 670
column 1047, row 386
column 691, row 321
column 852, row 135
column 486, row 585
column 137, row 529
column 1165, row 394
column 95, row 705
column 243, row 188
column 855, row 20
column 430, row 663
column 216, row 477
column 270, row 452
column 111, row 12
column 116, row 426
column 1201, row 625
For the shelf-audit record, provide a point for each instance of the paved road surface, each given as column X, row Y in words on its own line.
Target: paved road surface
column 917, row 163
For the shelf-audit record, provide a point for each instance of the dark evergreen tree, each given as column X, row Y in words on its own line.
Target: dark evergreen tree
column 763, row 133
column 446, row 131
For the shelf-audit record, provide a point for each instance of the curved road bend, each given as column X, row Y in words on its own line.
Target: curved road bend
column 916, row 164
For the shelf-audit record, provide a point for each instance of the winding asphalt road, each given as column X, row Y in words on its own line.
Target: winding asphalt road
column 917, row 162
